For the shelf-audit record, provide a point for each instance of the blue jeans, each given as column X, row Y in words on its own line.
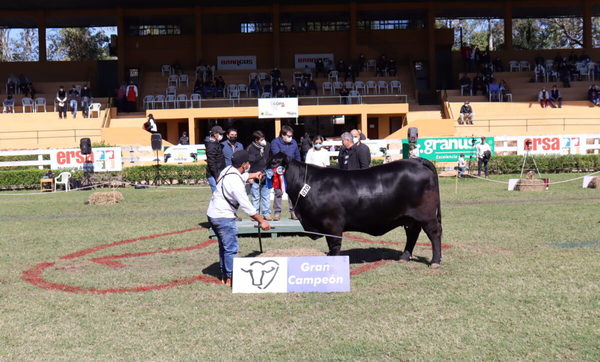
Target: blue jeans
column 212, row 183
column 226, row 232
column 260, row 197
column 73, row 104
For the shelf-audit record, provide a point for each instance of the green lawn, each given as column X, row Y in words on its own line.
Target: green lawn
column 505, row 291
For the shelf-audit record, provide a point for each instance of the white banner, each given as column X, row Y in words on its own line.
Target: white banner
column 181, row 154
column 574, row 144
column 300, row 60
column 236, row 62
column 103, row 158
column 278, row 108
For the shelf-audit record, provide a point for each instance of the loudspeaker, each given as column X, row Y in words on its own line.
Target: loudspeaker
column 413, row 134
column 156, row 140
column 85, row 145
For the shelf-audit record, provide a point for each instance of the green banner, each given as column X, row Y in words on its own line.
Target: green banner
column 449, row 149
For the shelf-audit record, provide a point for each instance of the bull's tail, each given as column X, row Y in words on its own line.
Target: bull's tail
column 431, row 167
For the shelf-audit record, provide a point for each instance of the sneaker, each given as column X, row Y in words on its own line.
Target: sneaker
column 227, row 281
column 276, row 217
column 268, row 217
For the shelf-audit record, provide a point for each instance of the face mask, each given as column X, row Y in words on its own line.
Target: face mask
column 246, row 168
column 263, row 143
column 219, row 137
column 318, row 146
column 287, row 139
column 355, row 139
column 232, row 139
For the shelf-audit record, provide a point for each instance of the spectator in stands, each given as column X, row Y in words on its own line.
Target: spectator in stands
column 303, row 87
column 307, row 73
column 584, row 58
column 215, row 161
column 487, row 73
column 540, row 72
column 319, row 67
column 478, row 84
column 23, row 81
column 11, row 85
column 275, row 74
column 312, row 86
column 284, row 143
column 30, row 91
column 555, row 97
column 497, row 64
column 220, row 86
column 565, row 75
column 341, row 66
column 231, row 145
column 539, row 59
column 280, row 89
column 504, row 89
column 259, row 152
column 131, row 94
column 121, row 93
column 209, row 89
column 391, row 68
column 465, row 84
column 176, row 68
column 197, row 87
column 594, row 95
column 317, row 155
column 305, row 145
column 573, row 58
column 361, row 63
column 8, row 106
column 184, row 139
column 494, row 90
column 293, row 91
column 354, row 155
column 255, row 87
column 544, row 98
column 73, row 100
column 485, row 57
column 61, row 100
column 86, row 100
column 350, row 73
column 344, row 92
column 381, row 66
column 466, row 113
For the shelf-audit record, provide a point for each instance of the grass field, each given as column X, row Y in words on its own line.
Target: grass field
column 506, row 291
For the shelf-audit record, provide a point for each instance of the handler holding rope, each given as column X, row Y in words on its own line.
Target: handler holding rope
column 228, row 197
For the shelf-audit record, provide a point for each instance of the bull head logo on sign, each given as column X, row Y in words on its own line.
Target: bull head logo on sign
column 262, row 274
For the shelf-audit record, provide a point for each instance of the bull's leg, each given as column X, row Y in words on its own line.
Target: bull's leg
column 433, row 229
column 335, row 245
column 412, row 234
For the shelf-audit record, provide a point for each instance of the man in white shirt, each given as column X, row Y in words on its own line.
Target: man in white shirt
column 484, row 152
column 230, row 194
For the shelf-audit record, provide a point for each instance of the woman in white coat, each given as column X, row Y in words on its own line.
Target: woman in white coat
column 318, row 155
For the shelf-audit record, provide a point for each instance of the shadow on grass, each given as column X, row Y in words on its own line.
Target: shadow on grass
column 371, row 255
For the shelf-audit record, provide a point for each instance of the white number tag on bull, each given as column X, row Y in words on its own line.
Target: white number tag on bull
column 305, row 189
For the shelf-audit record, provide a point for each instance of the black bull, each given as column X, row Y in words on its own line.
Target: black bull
column 373, row 201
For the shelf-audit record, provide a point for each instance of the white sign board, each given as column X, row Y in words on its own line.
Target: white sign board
column 236, row 62
column 301, row 60
column 278, row 108
column 103, row 158
column 181, row 153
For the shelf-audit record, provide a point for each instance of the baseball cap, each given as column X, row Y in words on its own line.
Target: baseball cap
column 239, row 157
column 217, row 129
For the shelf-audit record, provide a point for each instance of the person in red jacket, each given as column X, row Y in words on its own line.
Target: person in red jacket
column 131, row 95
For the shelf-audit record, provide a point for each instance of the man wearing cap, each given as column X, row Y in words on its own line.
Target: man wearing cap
column 231, row 194
column 215, row 161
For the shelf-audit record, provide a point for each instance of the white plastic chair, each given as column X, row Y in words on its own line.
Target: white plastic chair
column 262, row 76
column 62, row 178
column 182, row 98
column 251, row 76
column 371, row 84
column 382, row 84
column 336, row 86
column 513, row 66
column 359, row 85
column 27, row 102
column 243, row 88
column 148, row 101
column 524, row 65
column 327, row 86
column 173, row 80
column 333, row 75
column 466, row 86
column 354, row 95
column 171, row 91
column 371, row 64
column 159, row 99
column 183, row 78
column 234, row 94
column 265, row 95
column 349, row 85
column 232, row 88
column 549, row 64
column 165, row 69
column 94, row 107
column 40, row 102
column 195, row 97
column 172, row 99
column 395, row 84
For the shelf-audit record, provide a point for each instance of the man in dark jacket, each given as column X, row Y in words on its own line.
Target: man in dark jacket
column 215, row 161
column 259, row 152
column 286, row 144
column 231, row 145
column 354, row 154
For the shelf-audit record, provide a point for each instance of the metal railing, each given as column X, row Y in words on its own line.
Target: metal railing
column 41, row 134
column 533, row 123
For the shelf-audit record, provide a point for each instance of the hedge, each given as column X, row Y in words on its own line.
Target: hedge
column 30, row 178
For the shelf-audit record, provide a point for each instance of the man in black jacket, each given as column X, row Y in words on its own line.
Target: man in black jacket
column 259, row 152
column 215, row 161
column 354, row 155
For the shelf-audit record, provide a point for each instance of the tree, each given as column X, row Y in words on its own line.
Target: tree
column 25, row 48
column 480, row 32
column 4, row 44
column 76, row 44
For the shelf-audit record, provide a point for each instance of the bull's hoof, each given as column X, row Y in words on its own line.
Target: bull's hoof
column 435, row 266
column 402, row 261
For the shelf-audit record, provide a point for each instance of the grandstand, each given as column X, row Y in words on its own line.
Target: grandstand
column 273, row 34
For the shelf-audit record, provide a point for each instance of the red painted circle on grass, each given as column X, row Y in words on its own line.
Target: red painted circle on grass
column 35, row 275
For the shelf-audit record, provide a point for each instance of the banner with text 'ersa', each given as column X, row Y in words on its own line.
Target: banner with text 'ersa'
column 291, row 274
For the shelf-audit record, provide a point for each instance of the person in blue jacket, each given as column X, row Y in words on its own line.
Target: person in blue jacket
column 230, row 145
column 284, row 143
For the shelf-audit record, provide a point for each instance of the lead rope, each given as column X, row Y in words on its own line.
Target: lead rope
column 304, row 183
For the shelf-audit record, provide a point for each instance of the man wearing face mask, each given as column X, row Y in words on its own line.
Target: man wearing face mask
column 230, row 195
column 284, row 143
column 61, row 101
column 354, row 155
column 259, row 152
column 231, row 145
column 215, row 161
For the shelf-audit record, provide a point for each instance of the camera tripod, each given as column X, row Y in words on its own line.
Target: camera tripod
column 527, row 155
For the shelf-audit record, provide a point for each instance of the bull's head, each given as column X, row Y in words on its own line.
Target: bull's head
column 262, row 274
column 279, row 159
